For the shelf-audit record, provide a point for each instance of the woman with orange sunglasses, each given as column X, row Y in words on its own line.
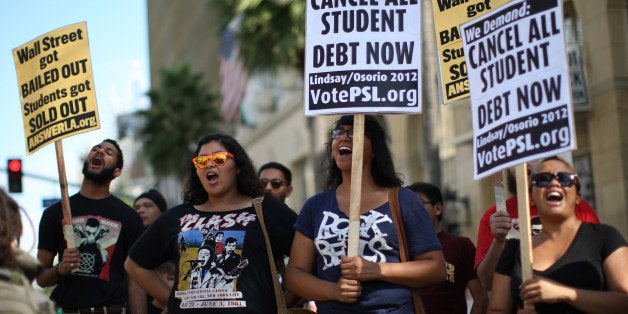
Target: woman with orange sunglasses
column 217, row 198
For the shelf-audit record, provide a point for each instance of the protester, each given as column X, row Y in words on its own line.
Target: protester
column 17, row 268
column 91, row 276
column 497, row 226
column 578, row 267
column 449, row 296
column 218, row 194
column 375, row 280
column 149, row 205
column 276, row 180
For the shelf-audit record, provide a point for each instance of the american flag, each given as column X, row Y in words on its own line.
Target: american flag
column 232, row 75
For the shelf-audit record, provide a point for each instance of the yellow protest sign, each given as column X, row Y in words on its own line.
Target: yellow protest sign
column 448, row 16
column 56, row 86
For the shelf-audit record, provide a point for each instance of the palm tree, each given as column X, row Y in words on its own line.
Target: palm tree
column 182, row 109
column 271, row 34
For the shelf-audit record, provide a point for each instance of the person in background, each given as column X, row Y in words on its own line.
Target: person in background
column 376, row 280
column 149, row 205
column 276, row 180
column 17, row 268
column 449, row 297
column 578, row 267
column 220, row 187
column 92, row 278
column 497, row 226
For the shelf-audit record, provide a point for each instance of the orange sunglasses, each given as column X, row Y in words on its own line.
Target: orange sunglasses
column 217, row 158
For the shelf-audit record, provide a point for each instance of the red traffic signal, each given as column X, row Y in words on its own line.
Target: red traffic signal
column 14, row 167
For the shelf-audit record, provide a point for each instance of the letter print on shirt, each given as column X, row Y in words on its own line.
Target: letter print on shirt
column 331, row 239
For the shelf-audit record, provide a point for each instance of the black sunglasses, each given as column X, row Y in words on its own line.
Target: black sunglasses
column 543, row 179
column 275, row 183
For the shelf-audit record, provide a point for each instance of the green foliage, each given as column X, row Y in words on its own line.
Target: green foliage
column 271, row 34
column 182, row 109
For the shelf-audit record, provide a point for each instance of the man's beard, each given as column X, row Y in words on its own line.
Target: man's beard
column 105, row 176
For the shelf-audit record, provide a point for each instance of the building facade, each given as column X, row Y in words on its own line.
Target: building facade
column 435, row 146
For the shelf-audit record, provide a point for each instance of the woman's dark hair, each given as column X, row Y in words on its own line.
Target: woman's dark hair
column 10, row 229
column 247, row 181
column 382, row 167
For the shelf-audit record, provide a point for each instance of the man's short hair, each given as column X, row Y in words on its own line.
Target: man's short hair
column 275, row 165
column 120, row 159
column 431, row 191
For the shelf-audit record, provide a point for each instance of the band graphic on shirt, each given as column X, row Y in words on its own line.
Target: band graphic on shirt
column 96, row 239
column 535, row 224
column 210, row 264
column 332, row 236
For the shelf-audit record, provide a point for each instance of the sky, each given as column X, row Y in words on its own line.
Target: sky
column 118, row 39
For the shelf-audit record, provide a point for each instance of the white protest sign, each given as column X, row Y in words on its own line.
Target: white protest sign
column 519, row 83
column 363, row 56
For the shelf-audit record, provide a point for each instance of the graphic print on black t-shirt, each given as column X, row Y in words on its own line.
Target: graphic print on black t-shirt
column 535, row 225
column 209, row 267
column 96, row 239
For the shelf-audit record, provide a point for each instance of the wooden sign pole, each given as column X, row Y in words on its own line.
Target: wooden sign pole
column 68, row 233
column 525, row 239
column 356, row 185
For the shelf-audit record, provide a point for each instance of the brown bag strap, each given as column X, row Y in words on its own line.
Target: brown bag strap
column 393, row 202
column 279, row 298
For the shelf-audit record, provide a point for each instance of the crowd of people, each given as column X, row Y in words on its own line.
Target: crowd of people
column 207, row 253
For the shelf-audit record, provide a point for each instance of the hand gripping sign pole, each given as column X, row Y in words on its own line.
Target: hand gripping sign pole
column 68, row 232
column 356, row 185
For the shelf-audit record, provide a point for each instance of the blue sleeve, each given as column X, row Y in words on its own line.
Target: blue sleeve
column 304, row 223
column 420, row 233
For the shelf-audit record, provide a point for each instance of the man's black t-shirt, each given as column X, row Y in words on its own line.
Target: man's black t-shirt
column 104, row 231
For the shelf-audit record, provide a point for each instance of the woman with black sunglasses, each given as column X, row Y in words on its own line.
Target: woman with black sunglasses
column 212, row 276
column 578, row 267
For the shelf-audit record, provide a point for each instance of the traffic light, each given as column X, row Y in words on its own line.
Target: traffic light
column 14, row 167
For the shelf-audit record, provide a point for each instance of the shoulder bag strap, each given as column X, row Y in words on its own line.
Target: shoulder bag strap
column 279, row 298
column 393, row 202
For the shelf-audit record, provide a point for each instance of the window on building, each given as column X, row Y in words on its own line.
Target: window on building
column 573, row 47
